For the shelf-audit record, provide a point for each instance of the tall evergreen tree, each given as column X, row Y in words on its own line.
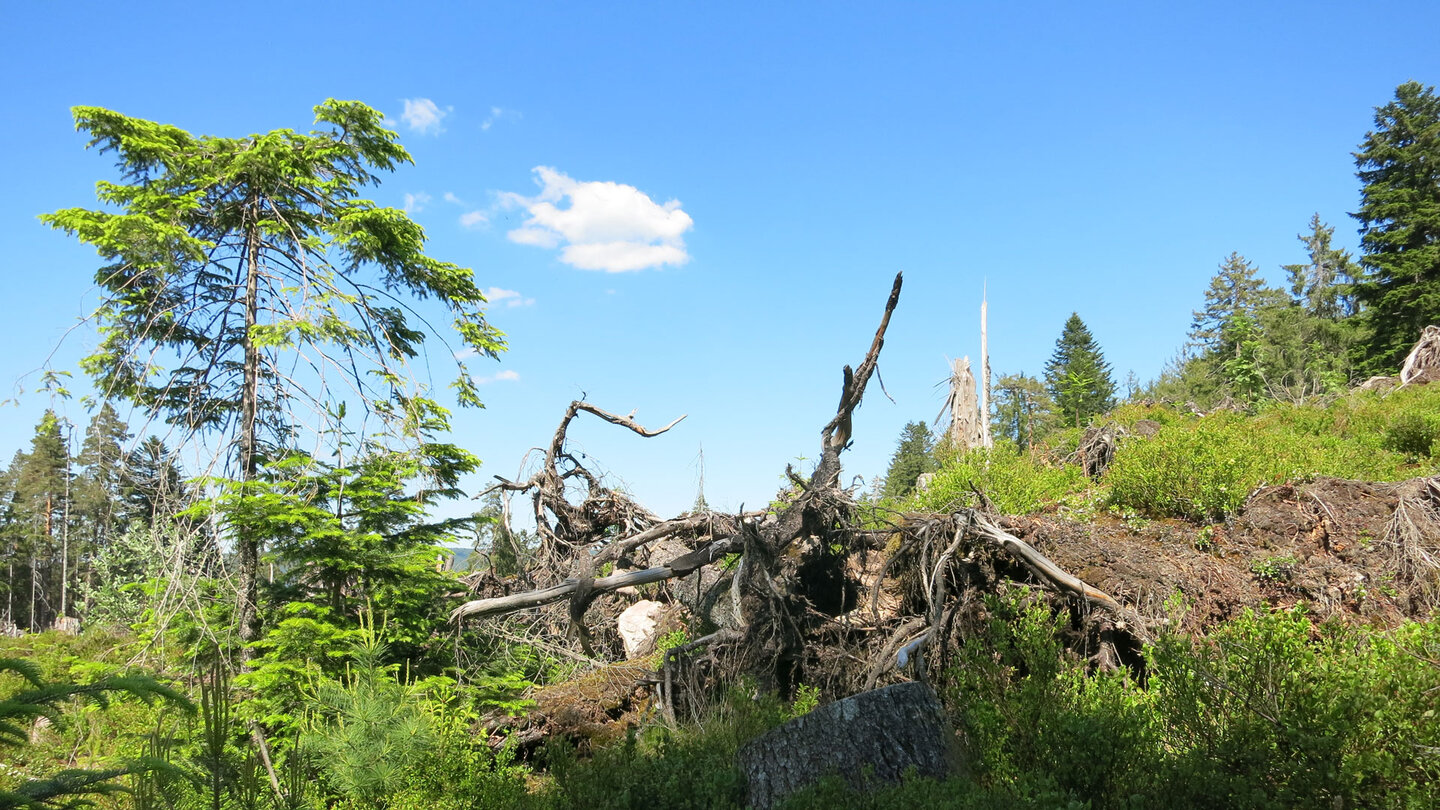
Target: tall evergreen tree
column 1399, row 164
column 10, row 535
column 1322, row 286
column 41, row 501
column 1077, row 375
column 1235, row 291
column 103, row 482
column 155, row 488
column 1024, row 411
column 914, row 456
column 226, row 254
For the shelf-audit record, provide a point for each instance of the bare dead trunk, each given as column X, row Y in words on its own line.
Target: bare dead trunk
column 985, row 436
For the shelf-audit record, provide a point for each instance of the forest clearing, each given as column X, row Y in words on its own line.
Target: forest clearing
column 252, row 558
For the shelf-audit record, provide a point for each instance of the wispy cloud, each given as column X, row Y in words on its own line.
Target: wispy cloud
column 473, row 219
column 498, row 114
column 606, row 226
column 508, row 375
column 416, row 202
column 452, row 199
column 511, row 298
column 424, row 116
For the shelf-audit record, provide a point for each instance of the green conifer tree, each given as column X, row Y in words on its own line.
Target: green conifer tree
column 1077, row 375
column 914, row 456
column 1399, row 163
column 42, row 489
column 1024, row 411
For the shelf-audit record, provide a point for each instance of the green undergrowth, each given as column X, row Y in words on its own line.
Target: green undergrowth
column 1202, row 468
column 1266, row 711
column 1017, row 482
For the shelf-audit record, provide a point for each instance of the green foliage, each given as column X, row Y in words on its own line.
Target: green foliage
column 37, row 698
column 1204, row 468
column 283, row 213
column 1278, row 568
column 368, row 727
column 914, row 456
column 1077, row 375
column 1399, row 220
column 117, row 593
column 1023, row 410
column 660, row 767
column 807, row 699
column 1413, row 435
column 1262, row 713
column 1016, row 482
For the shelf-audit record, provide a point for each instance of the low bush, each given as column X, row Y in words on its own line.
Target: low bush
column 1263, row 713
column 1203, row 468
column 1016, row 482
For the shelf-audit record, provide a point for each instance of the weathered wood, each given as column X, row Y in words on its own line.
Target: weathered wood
column 868, row 740
column 1039, row 563
column 966, row 429
column 688, row 563
column 678, row 567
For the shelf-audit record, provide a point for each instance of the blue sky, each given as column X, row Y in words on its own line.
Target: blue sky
column 753, row 175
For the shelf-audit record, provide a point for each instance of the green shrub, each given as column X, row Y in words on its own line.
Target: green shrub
column 1203, row 468
column 1016, row 482
column 1263, row 713
column 660, row 767
column 1412, row 435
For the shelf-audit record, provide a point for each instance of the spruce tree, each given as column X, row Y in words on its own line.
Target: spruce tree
column 42, row 489
column 103, row 481
column 1322, row 286
column 1236, row 291
column 10, row 534
column 1024, row 411
column 1077, row 375
column 225, row 259
column 154, row 485
column 914, row 456
column 1399, row 163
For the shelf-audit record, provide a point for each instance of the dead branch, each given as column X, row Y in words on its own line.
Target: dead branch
column 678, row 567
column 836, row 434
column 1039, row 563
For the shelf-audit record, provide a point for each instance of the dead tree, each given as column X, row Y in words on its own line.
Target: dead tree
column 788, row 583
column 966, row 425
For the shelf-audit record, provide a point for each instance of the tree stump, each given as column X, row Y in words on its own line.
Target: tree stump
column 870, row 739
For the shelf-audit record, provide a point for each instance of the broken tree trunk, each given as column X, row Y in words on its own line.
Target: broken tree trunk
column 871, row 739
column 965, row 430
column 1423, row 362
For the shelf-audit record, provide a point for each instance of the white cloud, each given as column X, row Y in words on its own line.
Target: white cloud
column 452, row 199
column 423, row 115
column 606, row 226
column 511, row 298
column 498, row 114
column 416, row 202
column 473, row 219
column 508, row 375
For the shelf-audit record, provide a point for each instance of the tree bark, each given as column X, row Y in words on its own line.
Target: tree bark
column 868, row 740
